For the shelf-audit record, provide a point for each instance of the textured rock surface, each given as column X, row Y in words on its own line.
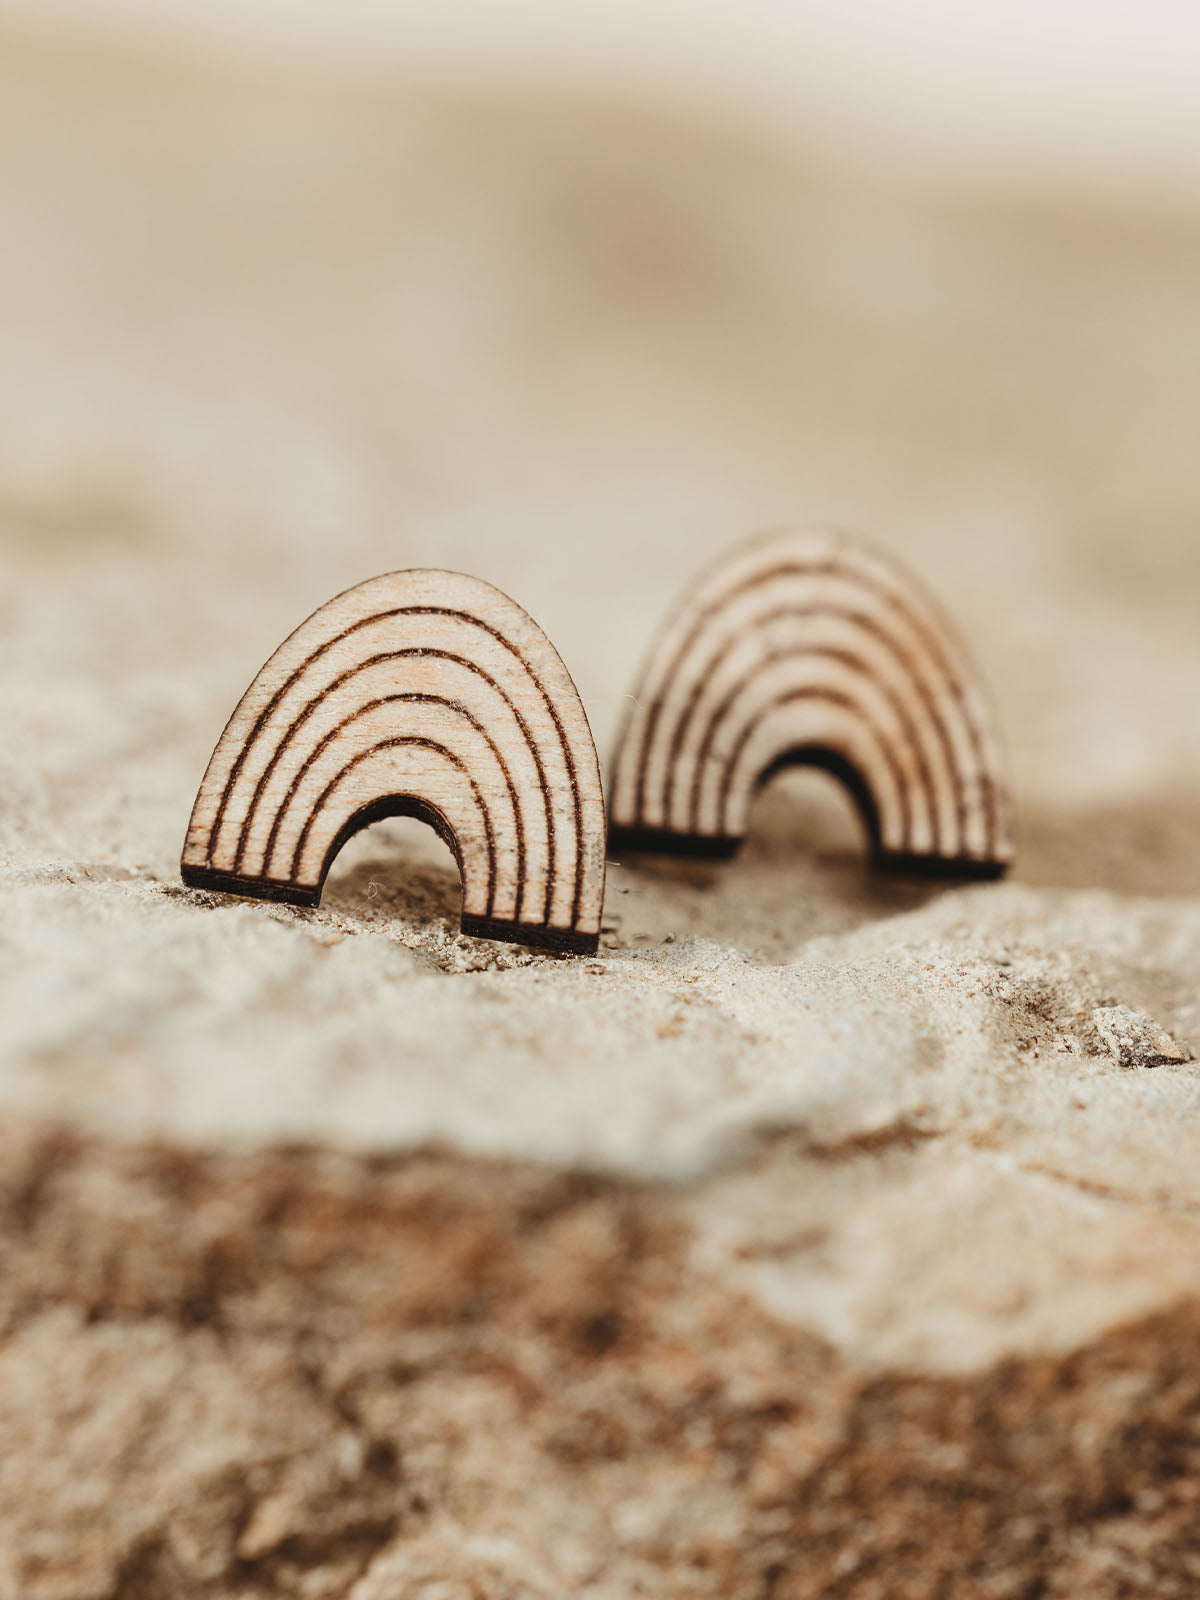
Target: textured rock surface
column 823, row 1236
column 319, row 1375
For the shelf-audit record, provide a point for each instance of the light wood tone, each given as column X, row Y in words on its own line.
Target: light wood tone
column 811, row 647
column 426, row 694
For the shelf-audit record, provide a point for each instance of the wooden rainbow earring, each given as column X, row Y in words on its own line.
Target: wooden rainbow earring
column 810, row 647
column 426, row 694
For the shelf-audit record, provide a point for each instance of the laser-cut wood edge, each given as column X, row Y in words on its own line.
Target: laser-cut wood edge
column 929, row 679
column 527, row 722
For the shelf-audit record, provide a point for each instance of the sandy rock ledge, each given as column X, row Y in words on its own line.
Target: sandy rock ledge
column 299, row 1374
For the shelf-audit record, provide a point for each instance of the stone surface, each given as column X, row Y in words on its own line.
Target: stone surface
column 823, row 1235
column 318, row 1375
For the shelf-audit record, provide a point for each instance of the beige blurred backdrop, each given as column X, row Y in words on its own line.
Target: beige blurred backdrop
column 1104, row 89
column 571, row 297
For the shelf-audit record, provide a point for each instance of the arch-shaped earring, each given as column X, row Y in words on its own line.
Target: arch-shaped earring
column 427, row 694
column 811, row 647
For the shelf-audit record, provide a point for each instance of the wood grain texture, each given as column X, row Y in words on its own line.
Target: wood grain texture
column 811, row 647
column 420, row 693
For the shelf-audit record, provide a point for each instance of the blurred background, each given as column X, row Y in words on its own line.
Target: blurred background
column 1071, row 87
column 297, row 291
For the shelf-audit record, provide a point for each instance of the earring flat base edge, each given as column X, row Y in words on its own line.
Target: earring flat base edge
column 722, row 847
column 566, row 941
column 963, row 869
column 662, row 842
column 287, row 894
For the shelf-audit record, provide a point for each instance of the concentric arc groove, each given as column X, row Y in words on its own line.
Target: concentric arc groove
column 269, row 709
column 410, row 698
column 365, row 755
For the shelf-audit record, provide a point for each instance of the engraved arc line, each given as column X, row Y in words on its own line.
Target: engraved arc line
column 409, row 698
column 854, row 663
column 394, row 655
column 829, row 697
column 819, row 568
column 683, row 721
column 383, row 616
column 666, row 678
column 870, row 625
column 365, row 755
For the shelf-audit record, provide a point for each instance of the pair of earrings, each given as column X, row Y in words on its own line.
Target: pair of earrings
column 432, row 694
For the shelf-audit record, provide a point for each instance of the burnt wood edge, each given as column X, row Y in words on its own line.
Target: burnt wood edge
column 968, row 869
column 661, row 841
column 287, row 894
column 722, row 847
column 567, row 941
